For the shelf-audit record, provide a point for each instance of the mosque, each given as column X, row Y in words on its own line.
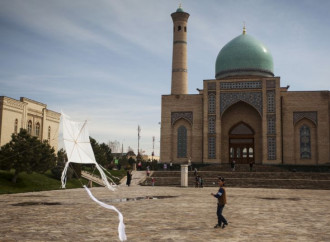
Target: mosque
column 243, row 114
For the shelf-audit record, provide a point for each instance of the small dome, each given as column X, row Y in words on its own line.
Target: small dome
column 180, row 10
column 244, row 55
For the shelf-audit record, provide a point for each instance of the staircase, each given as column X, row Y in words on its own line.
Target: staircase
column 260, row 177
column 93, row 178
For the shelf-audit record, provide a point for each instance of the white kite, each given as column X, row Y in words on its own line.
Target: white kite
column 79, row 150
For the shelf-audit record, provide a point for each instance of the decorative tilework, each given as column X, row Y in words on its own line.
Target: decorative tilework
column 300, row 115
column 241, row 85
column 211, row 147
column 211, row 86
column 271, row 106
column 305, row 142
column 182, row 142
column 212, row 124
column 229, row 98
column 271, row 121
column 180, row 42
column 185, row 115
column 270, row 84
column 179, row 70
column 271, row 145
column 211, row 103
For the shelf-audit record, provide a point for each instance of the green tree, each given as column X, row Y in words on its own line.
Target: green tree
column 100, row 152
column 60, row 164
column 25, row 153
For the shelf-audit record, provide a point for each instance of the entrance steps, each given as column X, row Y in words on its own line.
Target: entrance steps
column 265, row 178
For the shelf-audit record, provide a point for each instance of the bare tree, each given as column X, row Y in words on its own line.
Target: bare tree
column 114, row 146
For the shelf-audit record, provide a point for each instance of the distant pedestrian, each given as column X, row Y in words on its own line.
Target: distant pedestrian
column 153, row 180
column 195, row 171
column 165, row 166
column 201, row 182
column 251, row 165
column 129, row 178
column 140, row 166
column 222, row 199
column 197, row 181
column 148, row 171
column 233, row 164
column 189, row 164
column 171, row 165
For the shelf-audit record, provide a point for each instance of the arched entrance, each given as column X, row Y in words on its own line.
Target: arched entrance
column 241, row 143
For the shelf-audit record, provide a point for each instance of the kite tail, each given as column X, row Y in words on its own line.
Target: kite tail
column 63, row 177
column 121, row 226
column 104, row 178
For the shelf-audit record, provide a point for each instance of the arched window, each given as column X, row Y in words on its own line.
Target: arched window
column 305, row 142
column 29, row 127
column 16, row 126
column 49, row 129
column 185, row 29
column 37, row 129
column 182, row 142
column 231, row 152
column 244, row 152
column 179, row 28
column 251, row 152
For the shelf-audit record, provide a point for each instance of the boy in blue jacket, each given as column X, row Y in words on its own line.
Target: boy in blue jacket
column 221, row 196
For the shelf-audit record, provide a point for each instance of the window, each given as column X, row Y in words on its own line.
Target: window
column 182, row 142
column 305, row 142
column 238, row 153
column 244, row 152
column 16, row 126
column 185, row 29
column 251, row 152
column 29, row 127
column 179, row 28
column 49, row 129
column 231, row 152
column 37, row 129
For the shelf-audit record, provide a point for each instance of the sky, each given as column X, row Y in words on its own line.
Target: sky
column 109, row 61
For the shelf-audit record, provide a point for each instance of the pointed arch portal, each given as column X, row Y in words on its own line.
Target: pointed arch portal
column 241, row 143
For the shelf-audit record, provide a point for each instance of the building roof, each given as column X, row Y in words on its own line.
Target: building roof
column 244, row 55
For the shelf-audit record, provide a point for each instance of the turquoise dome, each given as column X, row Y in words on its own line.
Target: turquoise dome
column 244, row 55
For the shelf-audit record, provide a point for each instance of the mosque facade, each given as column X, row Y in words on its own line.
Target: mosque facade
column 30, row 115
column 243, row 114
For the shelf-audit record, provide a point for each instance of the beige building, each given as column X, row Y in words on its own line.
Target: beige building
column 243, row 114
column 30, row 115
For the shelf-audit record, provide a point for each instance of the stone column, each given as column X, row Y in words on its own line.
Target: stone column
column 184, row 175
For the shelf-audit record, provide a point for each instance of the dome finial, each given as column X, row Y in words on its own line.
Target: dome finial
column 244, row 29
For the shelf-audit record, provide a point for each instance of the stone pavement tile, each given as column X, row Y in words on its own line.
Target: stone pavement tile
column 189, row 215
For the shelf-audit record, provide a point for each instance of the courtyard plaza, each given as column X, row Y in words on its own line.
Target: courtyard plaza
column 166, row 214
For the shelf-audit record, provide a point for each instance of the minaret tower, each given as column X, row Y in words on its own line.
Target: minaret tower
column 179, row 59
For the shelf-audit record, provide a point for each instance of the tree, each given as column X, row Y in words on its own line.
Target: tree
column 26, row 153
column 102, row 152
column 114, row 146
column 60, row 164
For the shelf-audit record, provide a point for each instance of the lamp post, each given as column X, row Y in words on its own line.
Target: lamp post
column 160, row 133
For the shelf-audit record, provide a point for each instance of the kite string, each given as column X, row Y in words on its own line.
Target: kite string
column 121, row 226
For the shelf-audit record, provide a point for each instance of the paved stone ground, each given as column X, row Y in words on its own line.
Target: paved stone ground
column 253, row 215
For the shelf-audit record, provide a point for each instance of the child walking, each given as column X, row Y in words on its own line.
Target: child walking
column 221, row 196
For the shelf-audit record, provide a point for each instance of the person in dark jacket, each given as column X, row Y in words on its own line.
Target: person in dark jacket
column 129, row 178
column 222, row 200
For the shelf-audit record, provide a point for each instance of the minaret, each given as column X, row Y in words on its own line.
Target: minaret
column 179, row 59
